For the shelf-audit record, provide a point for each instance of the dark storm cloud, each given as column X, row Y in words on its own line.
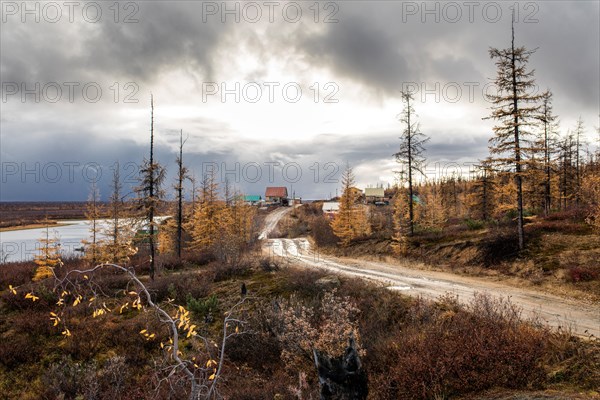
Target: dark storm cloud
column 382, row 45
column 360, row 51
column 374, row 44
column 162, row 35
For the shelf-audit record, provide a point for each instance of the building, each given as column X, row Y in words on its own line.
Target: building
column 252, row 199
column 330, row 208
column 357, row 194
column 276, row 194
column 373, row 195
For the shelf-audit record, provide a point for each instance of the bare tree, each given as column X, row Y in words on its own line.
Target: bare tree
column 411, row 152
column 117, row 247
column 92, row 246
column 150, row 193
column 547, row 144
column 182, row 175
column 578, row 133
column 514, row 106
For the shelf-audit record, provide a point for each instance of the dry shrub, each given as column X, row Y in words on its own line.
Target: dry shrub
column 43, row 290
column 224, row 271
column 36, row 324
column 574, row 360
column 501, row 245
column 301, row 328
column 18, row 349
column 450, row 350
column 16, row 273
column 242, row 384
column 301, row 281
column 581, row 274
column 68, row 379
column 565, row 227
column 322, row 233
column 180, row 286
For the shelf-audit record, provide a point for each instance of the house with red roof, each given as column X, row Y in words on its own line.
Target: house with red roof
column 276, row 194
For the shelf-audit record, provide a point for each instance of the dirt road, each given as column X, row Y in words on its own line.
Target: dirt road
column 583, row 319
column 271, row 221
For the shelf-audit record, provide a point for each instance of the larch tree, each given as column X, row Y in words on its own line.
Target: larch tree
column 547, row 145
column 411, row 152
column 205, row 223
column 578, row 137
column 567, row 170
column 152, row 175
column 351, row 220
column 92, row 247
column 118, row 233
column 514, row 107
column 48, row 257
column 483, row 188
column 182, row 175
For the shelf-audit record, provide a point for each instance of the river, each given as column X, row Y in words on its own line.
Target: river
column 23, row 244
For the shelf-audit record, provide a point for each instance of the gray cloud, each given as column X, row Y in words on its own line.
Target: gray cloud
column 374, row 45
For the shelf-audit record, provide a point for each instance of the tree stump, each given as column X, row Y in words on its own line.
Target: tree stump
column 342, row 378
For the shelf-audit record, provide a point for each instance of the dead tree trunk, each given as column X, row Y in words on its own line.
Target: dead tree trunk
column 342, row 378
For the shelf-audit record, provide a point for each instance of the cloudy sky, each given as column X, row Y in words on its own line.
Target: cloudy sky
column 268, row 93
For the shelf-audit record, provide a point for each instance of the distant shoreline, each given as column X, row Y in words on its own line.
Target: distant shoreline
column 31, row 226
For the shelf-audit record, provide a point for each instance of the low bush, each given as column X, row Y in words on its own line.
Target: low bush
column 581, row 274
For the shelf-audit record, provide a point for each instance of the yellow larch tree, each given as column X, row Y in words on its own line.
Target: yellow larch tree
column 49, row 255
column 351, row 221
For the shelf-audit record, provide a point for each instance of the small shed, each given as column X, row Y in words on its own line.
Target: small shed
column 276, row 194
column 252, row 199
column 330, row 208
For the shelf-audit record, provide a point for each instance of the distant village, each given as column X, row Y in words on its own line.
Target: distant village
column 278, row 196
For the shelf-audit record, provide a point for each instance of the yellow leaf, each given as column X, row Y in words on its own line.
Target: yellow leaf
column 31, row 296
column 237, row 329
column 60, row 302
column 212, row 377
column 12, row 289
column 91, row 299
column 162, row 345
column 124, row 306
column 66, row 332
column 85, row 277
column 143, row 331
